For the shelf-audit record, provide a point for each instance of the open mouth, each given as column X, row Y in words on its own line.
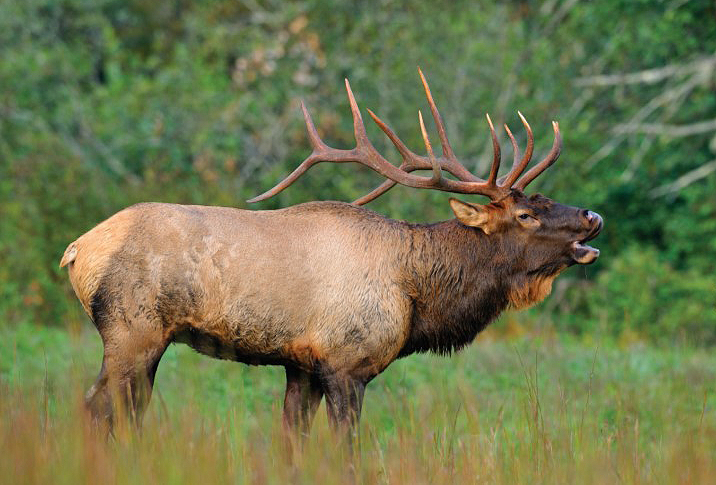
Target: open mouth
column 583, row 253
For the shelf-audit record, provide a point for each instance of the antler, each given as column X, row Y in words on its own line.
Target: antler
column 365, row 153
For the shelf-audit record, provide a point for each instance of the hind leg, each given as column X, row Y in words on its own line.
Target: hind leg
column 98, row 402
column 124, row 385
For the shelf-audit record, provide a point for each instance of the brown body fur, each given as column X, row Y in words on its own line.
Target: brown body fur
column 333, row 292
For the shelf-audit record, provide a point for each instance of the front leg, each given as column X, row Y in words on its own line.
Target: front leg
column 303, row 396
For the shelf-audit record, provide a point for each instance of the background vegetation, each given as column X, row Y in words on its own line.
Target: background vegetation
column 104, row 103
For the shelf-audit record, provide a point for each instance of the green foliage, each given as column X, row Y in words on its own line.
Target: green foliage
column 106, row 103
column 641, row 296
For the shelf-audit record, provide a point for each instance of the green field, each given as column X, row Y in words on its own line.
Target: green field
column 535, row 408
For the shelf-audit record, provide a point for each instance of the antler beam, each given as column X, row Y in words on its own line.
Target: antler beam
column 366, row 154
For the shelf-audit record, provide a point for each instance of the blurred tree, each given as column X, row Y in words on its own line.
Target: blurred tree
column 106, row 103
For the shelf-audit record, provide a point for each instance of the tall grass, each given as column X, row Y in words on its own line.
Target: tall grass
column 521, row 410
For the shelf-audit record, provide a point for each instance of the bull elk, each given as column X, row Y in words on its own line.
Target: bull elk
column 329, row 290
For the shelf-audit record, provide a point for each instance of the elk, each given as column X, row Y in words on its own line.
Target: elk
column 331, row 291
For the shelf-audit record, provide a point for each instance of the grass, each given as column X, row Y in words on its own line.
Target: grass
column 539, row 408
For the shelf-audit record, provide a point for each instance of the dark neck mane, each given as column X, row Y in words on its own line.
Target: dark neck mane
column 458, row 284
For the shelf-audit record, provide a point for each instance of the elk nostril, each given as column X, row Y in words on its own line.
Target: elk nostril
column 589, row 215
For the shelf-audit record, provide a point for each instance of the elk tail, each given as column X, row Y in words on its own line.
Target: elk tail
column 70, row 254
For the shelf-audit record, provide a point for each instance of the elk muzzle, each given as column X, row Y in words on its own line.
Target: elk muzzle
column 581, row 252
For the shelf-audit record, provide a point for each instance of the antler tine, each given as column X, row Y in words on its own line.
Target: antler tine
column 300, row 170
column 551, row 157
column 358, row 126
column 378, row 191
column 317, row 145
column 410, row 159
column 517, row 169
column 313, row 136
column 447, row 149
column 515, row 147
column 496, row 155
column 515, row 156
column 374, row 159
column 405, row 152
column 383, row 188
column 437, row 173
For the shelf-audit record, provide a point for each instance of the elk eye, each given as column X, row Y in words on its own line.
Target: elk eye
column 524, row 216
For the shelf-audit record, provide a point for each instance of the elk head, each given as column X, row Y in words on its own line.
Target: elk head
column 546, row 235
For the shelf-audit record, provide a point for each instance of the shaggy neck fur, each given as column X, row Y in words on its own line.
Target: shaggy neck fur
column 460, row 280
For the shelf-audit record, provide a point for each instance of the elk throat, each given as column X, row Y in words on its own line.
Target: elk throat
column 454, row 290
column 530, row 289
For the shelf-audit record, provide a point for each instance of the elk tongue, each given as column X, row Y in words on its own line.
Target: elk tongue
column 584, row 254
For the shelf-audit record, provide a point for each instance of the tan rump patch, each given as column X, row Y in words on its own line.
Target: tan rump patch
column 89, row 255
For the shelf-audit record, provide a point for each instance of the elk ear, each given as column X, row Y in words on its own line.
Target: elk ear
column 473, row 215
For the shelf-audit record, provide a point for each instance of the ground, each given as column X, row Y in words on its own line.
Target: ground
column 540, row 407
